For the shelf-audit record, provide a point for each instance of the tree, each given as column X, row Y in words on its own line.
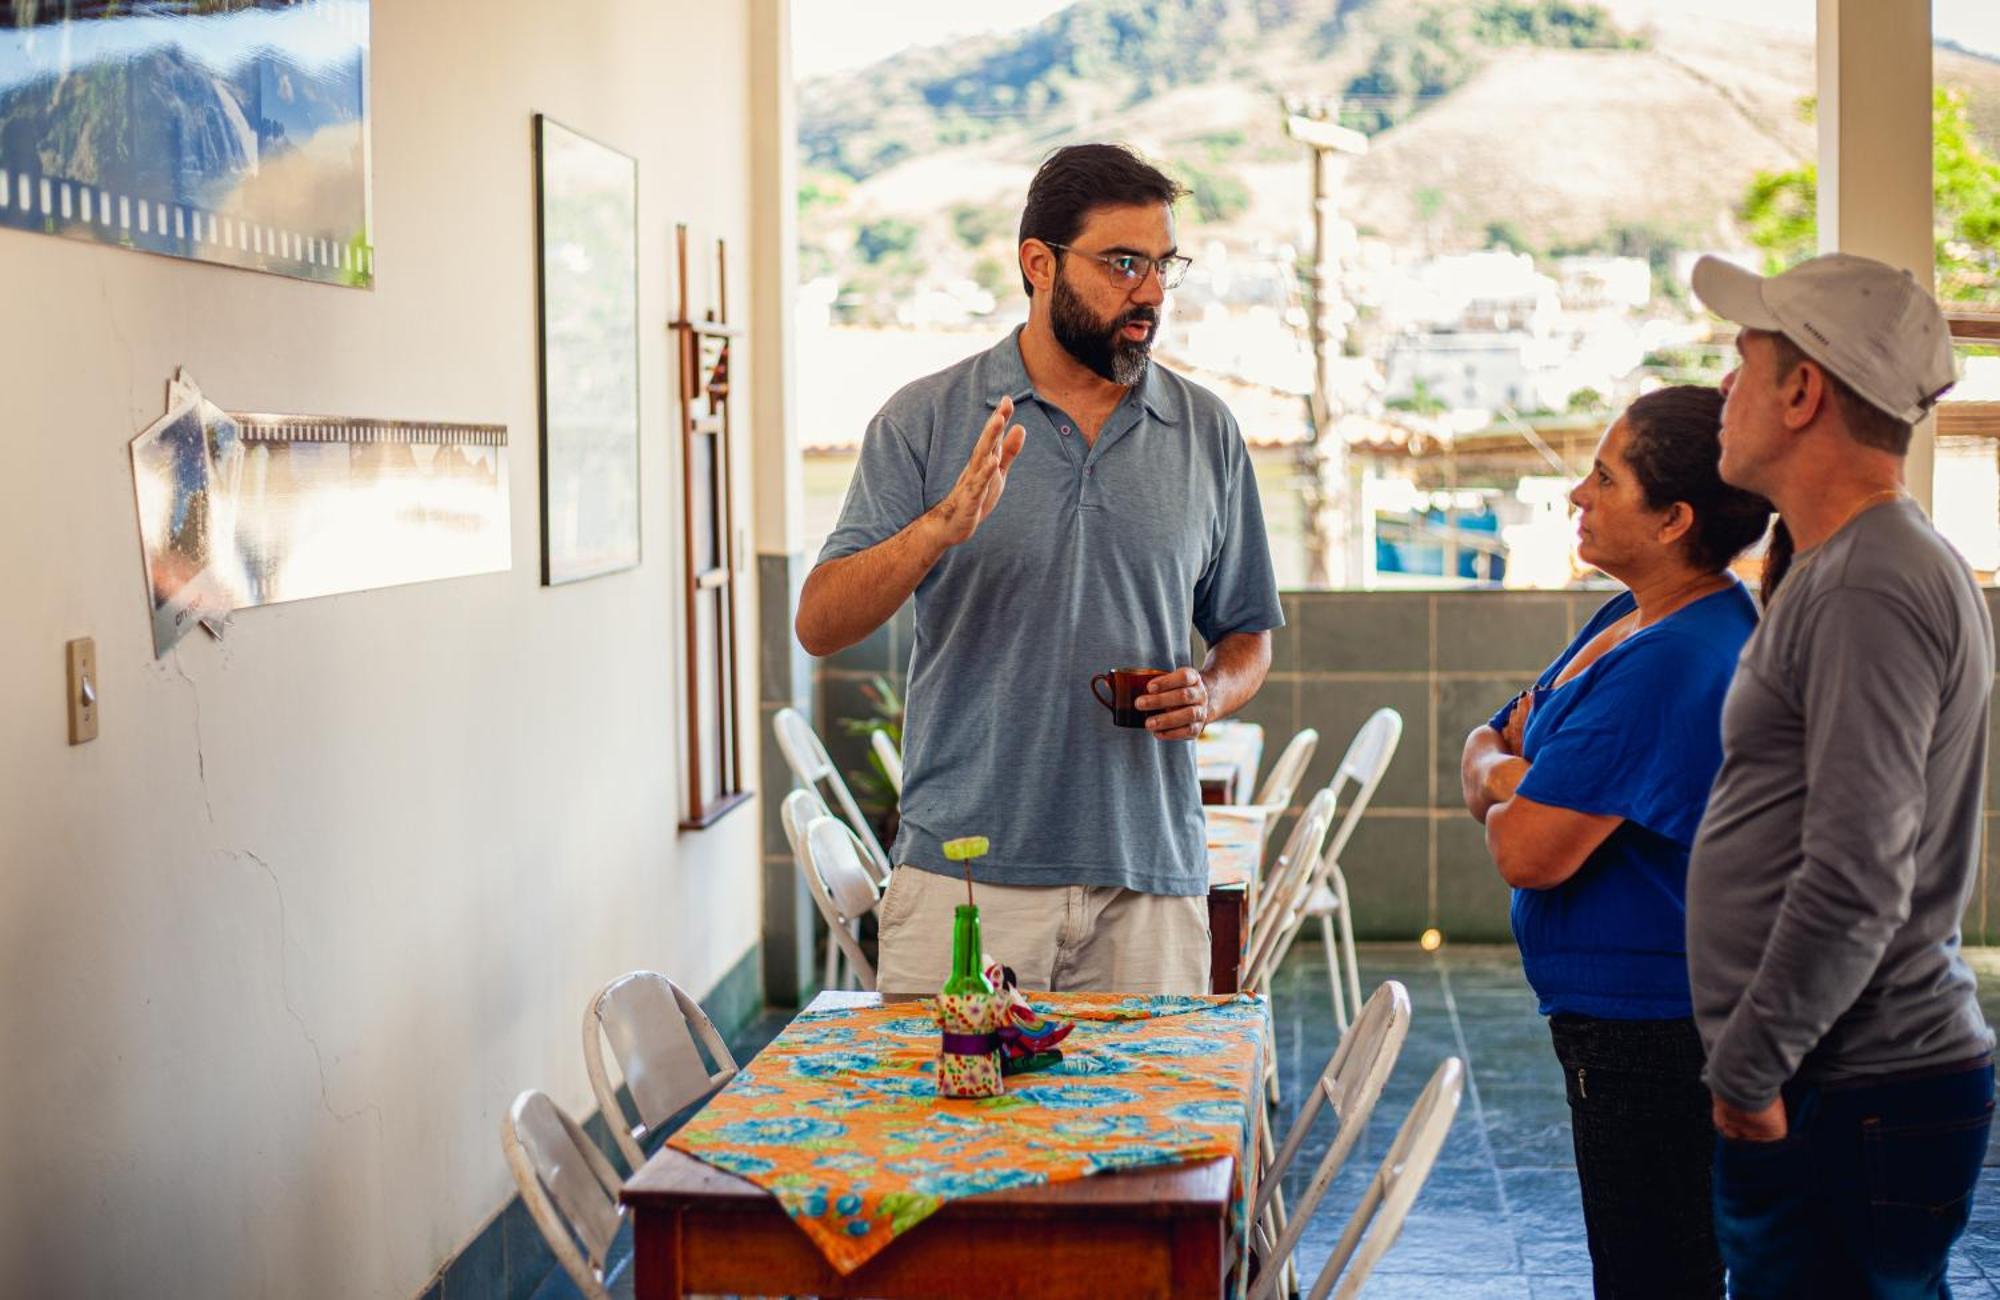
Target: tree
column 885, row 238
column 1507, row 235
column 1216, row 195
column 1780, row 209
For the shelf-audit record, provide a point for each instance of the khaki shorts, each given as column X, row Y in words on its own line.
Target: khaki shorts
column 1061, row 938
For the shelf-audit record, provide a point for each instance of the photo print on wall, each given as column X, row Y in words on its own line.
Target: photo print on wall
column 587, row 212
column 238, row 509
column 227, row 131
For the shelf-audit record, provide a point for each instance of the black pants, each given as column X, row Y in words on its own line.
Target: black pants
column 1640, row 1116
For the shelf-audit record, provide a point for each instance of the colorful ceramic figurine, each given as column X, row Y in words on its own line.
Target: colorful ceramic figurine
column 1027, row 1037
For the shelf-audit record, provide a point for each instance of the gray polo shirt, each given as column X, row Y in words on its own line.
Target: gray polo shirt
column 1841, row 842
column 1097, row 557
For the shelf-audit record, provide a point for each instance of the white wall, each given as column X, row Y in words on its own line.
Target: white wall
column 279, row 948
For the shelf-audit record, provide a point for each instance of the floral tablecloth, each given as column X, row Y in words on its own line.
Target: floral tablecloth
column 839, row 1117
column 1235, row 845
column 1228, row 754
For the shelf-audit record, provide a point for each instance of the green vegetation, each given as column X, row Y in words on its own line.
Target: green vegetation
column 994, row 276
column 1216, row 195
column 1436, row 55
column 975, row 225
column 1557, row 24
column 822, row 189
column 1427, row 63
column 1221, row 146
column 1422, row 402
column 1507, row 235
column 1689, row 365
column 1780, row 210
column 1128, row 50
column 1657, row 246
column 883, row 239
column 871, row 786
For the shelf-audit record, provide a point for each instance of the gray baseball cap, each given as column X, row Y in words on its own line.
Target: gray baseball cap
column 1868, row 323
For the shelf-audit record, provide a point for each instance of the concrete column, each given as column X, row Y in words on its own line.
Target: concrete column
column 777, row 494
column 1875, row 149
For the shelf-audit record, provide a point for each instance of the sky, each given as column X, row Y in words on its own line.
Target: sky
column 827, row 38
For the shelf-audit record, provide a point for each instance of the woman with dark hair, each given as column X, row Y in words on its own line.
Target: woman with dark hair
column 1590, row 786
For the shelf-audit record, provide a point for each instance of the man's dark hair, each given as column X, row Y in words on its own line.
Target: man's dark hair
column 1869, row 424
column 1080, row 178
column 1673, row 448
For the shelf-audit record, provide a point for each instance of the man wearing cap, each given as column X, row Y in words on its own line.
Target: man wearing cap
column 1850, row 1064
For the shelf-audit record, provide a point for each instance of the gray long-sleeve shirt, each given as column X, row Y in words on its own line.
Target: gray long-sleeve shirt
column 1841, row 842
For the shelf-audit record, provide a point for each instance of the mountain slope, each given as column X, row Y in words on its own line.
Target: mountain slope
column 1644, row 138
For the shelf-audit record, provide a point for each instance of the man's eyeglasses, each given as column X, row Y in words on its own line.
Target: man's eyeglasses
column 1130, row 268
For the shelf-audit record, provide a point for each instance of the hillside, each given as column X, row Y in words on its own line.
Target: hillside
column 1545, row 124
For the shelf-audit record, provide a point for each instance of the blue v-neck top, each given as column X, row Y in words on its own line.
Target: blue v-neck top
column 1637, row 735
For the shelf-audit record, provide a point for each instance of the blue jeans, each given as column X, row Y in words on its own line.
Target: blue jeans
column 1863, row 1196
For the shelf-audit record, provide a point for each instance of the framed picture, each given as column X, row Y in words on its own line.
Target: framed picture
column 231, row 131
column 587, row 206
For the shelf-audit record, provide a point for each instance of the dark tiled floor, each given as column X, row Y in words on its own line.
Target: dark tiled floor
column 1500, row 1215
column 1499, row 1218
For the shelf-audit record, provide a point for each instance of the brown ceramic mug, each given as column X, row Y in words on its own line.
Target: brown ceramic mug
column 1126, row 685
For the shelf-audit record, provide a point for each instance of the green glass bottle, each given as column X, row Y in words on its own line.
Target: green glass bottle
column 968, row 975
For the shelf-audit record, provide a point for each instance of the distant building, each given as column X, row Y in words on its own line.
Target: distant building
column 1598, row 283
column 1469, row 370
column 1494, row 291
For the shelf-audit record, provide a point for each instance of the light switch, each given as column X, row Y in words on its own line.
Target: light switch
column 82, row 690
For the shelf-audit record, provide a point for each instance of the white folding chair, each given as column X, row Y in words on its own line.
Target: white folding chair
column 811, row 765
column 1351, row 1084
column 800, row 809
column 1274, row 797
column 845, row 893
column 1282, row 782
column 654, row 1026
column 1394, row 1188
column 892, row 758
column 1367, row 758
column 1282, row 893
column 569, row 1187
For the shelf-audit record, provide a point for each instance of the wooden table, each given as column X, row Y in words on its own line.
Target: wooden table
column 1143, row 1232
column 1235, row 845
column 1227, row 756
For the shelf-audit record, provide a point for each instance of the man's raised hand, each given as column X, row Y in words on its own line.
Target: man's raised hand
column 984, row 478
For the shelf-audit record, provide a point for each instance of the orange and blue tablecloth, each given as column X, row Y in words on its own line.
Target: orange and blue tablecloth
column 1235, row 845
column 839, row 1117
column 1229, row 753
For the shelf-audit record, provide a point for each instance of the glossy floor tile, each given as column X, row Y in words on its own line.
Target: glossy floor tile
column 1500, row 1214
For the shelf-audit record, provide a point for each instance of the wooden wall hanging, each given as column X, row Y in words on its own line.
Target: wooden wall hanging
column 714, row 729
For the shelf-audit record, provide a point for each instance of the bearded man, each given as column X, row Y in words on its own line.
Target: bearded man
column 1060, row 506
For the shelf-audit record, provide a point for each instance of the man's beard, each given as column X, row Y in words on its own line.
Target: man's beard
column 1101, row 347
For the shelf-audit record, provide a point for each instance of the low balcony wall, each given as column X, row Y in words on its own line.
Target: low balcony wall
column 1445, row 661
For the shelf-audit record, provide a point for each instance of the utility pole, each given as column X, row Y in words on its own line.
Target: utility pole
column 1324, row 457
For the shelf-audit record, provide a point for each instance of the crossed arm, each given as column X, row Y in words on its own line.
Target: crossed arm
column 1535, row 845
